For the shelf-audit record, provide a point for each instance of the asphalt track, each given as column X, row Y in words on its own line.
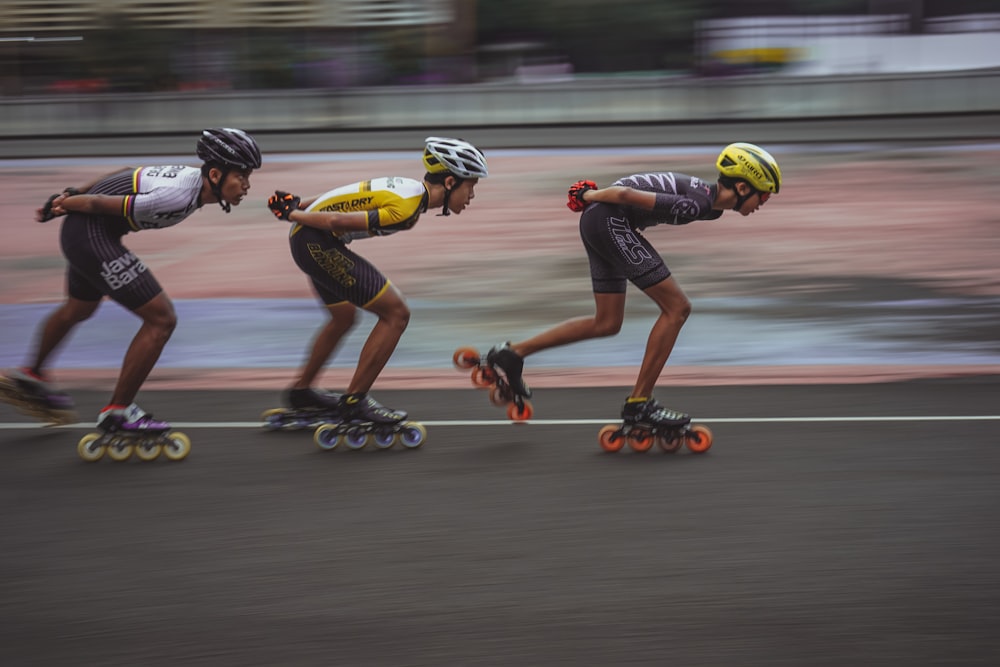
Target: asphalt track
column 828, row 525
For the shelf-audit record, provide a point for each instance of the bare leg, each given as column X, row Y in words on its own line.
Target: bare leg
column 674, row 311
column 342, row 318
column 158, row 322
column 393, row 317
column 607, row 320
column 58, row 326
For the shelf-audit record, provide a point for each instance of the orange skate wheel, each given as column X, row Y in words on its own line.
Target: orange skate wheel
column 517, row 414
column 699, row 438
column 465, row 357
column 670, row 446
column 610, row 439
column 482, row 376
column 640, row 441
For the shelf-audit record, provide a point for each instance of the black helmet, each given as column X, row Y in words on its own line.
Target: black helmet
column 229, row 147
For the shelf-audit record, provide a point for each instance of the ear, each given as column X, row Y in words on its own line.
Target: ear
column 215, row 176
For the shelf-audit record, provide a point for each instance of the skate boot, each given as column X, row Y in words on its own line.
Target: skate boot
column 646, row 421
column 499, row 370
column 304, row 408
column 32, row 395
column 128, row 430
column 651, row 413
column 364, row 421
column 364, row 408
column 512, row 365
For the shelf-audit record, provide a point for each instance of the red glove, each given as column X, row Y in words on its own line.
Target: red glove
column 575, row 194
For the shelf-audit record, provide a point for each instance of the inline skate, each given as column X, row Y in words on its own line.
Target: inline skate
column 648, row 422
column 363, row 420
column 499, row 370
column 305, row 408
column 133, row 431
column 32, row 396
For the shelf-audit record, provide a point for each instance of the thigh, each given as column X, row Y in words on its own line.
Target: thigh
column 337, row 273
column 100, row 265
column 618, row 252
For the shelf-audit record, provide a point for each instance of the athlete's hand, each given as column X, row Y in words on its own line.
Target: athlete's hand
column 575, row 195
column 53, row 205
column 282, row 204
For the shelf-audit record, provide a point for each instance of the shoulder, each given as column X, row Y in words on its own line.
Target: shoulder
column 400, row 186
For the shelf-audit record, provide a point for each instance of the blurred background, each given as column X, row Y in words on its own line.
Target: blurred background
column 884, row 114
column 329, row 64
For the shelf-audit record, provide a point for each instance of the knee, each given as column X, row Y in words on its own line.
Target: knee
column 681, row 311
column 397, row 316
column 162, row 320
column 605, row 328
column 74, row 312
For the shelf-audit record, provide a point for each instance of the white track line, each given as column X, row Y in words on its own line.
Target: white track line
column 571, row 422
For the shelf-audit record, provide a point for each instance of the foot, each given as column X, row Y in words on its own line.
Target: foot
column 131, row 419
column 362, row 407
column 35, row 387
column 651, row 412
column 512, row 365
column 310, row 398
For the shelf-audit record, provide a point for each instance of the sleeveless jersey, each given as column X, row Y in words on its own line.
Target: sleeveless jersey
column 154, row 197
column 680, row 199
column 394, row 202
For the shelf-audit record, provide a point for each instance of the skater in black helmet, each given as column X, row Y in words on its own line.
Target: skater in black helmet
column 611, row 224
column 322, row 228
column 97, row 217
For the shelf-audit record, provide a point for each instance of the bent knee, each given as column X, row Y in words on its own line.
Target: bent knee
column 605, row 328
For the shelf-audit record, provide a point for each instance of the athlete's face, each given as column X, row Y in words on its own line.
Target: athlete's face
column 236, row 185
column 462, row 195
column 754, row 202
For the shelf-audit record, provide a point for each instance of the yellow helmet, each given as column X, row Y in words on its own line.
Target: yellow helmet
column 460, row 158
column 752, row 164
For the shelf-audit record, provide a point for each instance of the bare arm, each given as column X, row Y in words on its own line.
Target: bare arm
column 621, row 195
column 337, row 223
column 107, row 205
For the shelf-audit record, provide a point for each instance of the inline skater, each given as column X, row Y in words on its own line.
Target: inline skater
column 322, row 228
column 97, row 216
column 611, row 223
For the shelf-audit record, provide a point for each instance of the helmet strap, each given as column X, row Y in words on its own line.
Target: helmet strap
column 445, row 211
column 217, row 189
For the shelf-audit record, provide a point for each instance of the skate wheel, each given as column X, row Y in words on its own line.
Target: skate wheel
column 611, row 438
column 327, row 437
column 176, row 446
column 497, row 397
column 465, row 357
column 670, row 445
column 273, row 418
column 639, row 440
column 699, row 439
column 483, row 376
column 89, row 448
column 356, row 438
column 120, row 449
column 520, row 413
column 148, row 451
column 412, row 435
column 383, row 438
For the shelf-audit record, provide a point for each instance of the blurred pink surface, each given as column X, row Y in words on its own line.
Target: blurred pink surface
column 878, row 215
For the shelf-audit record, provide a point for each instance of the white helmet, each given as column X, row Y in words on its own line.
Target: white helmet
column 454, row 156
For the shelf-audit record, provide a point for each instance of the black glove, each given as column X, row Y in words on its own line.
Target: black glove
column 47, row 214
column 282, row 204
column 575, row 195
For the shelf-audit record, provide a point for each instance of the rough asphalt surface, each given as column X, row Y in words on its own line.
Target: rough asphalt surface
column 803, row 537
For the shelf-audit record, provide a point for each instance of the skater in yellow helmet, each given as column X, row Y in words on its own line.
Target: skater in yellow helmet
column 611, row 223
